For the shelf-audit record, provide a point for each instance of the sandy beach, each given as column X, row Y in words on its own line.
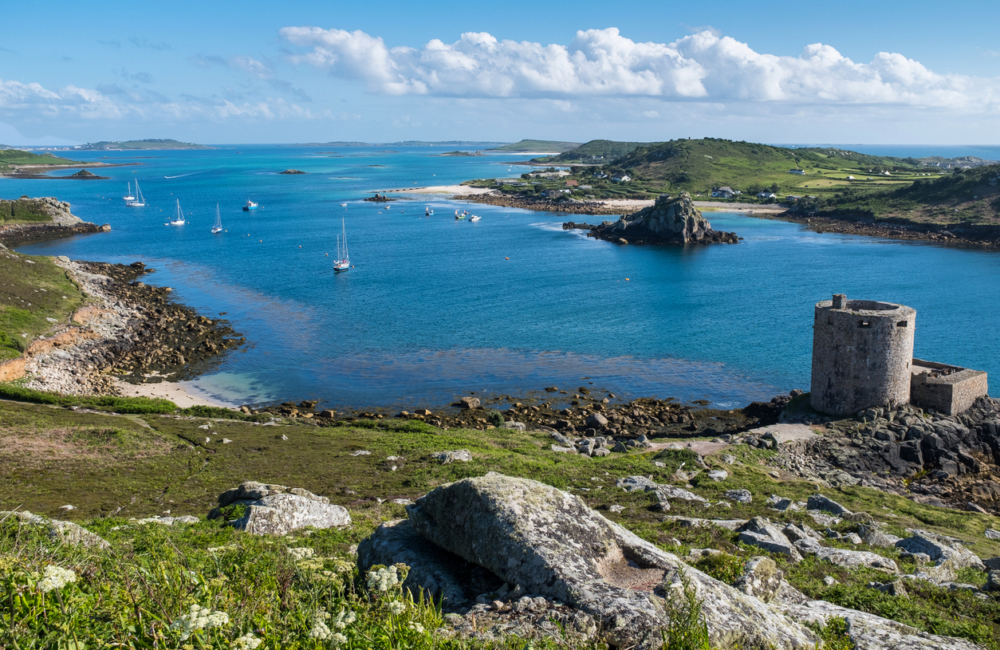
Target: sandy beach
column 719, row 206
column 180, row 393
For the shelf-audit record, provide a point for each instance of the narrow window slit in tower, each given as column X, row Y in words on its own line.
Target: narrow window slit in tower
column 902, row 323
column 865, row 323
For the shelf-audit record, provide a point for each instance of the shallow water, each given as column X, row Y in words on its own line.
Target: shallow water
column 436, row 308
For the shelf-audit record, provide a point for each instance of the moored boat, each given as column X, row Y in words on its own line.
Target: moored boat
column 249, row 205
column 179, row 219
column 139, row 201
column 343, row 261
column 217, row 228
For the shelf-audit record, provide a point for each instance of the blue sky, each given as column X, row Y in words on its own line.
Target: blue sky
column 219, row 72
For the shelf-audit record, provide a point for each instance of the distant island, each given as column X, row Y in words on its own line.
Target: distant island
column 828, row 188
column 292, row 171
column 13, row 159
column 462, row 154
column 407, row 143
column 536, row 146
column 138, row 145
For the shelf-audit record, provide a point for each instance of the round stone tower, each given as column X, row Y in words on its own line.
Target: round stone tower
column 862, row 352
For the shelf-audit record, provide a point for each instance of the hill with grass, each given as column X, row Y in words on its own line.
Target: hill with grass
column 965, row 196
column 528, row 146
column 10, row 158
column 595, row 152
column 140, row 145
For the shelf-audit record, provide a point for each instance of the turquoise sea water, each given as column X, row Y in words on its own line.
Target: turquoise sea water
column 436, row 308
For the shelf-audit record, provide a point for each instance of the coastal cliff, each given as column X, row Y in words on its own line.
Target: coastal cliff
column 26, row 220
column 667, row 221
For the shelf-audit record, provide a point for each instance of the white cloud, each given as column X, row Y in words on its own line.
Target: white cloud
column 31, row 102
column 704, row 67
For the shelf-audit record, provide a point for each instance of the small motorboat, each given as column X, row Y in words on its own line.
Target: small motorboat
column 428, row 212
column 475, row 218
column 343, row 205
column 458, row 215
column 250, row 205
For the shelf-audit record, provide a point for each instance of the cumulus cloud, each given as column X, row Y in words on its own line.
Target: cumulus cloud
column 704, row 66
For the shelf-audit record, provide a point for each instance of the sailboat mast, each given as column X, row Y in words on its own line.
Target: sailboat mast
column 344, row 227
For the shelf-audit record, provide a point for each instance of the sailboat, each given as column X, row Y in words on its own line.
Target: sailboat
column 129, row 197
column 343, row 261
column 217, row 228
column 139, row 201
column 179, row 219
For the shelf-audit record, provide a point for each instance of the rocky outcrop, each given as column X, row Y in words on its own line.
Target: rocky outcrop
column 874, row 632
column 667, row 221
column 263, row 509
column 548, row 542
column 65, row 532
column 447, row 577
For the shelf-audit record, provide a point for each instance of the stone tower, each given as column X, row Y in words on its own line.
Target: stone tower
column 862, row 352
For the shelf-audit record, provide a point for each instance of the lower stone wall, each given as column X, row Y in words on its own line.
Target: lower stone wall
column 949, row 393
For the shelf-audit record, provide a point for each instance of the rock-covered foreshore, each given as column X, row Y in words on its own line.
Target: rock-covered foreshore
column 568, row 206
column 979, row 236
column 129, row 332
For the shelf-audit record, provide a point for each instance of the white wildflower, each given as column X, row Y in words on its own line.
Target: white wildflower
column 301, row 552
column 246, row 642
column 199, row 618
column 343, row 619
column 417, row 627
column 56, row 577
column 338, row 639
column 397, row 607
column 320, row 631
column 383, row 579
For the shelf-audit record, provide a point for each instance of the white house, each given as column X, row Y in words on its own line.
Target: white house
column 850, row 178
column 763, row 196
column 621, row 179
column 799, row 172
column 724, row 192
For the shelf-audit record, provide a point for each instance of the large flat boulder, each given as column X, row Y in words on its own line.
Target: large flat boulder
column 847, row 558
column 264, row 509
column 448, row 578
column 550, row 543
column 763, row 534
column 941, row 549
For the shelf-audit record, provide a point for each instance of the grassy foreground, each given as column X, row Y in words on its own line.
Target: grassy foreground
column 117, row 468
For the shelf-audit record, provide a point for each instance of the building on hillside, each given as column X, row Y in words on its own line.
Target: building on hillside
column 724, row 192
column 551, row 194
column 572, row 183
column 850, row 178
column 763, row 196
column 600, row 175
column 624, row 178
column 798, row 172
column 792, row 198
column 586, row 187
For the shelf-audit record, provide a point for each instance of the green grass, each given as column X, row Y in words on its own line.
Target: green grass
column 129, row 405
column 9, row 157
column 116, row 466
column 32, row 290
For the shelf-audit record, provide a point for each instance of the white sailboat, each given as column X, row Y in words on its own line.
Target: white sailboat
column 217, row 228
column 139, row 201
column 179, row 219
column 129, row 197
column 343, row 261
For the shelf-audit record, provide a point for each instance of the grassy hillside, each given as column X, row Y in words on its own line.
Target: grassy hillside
column 595, row 152
column 526, row 146
column 15, row 157
column 32, row 291
column 112, row 468
column 970, row 196
column 697, row 166
column 140, row 145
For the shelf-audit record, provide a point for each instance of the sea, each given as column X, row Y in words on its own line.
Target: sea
column 434, row 308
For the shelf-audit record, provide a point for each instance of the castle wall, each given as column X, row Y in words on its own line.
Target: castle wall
column 862, row 352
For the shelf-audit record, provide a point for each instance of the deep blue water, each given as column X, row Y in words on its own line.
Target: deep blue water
column 436, row 308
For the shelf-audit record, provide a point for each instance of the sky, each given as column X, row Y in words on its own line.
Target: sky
column 220, row 72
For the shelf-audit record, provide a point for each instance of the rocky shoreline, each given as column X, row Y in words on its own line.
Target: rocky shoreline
column 849, row 224
column 542, row 205
column 131, row 332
